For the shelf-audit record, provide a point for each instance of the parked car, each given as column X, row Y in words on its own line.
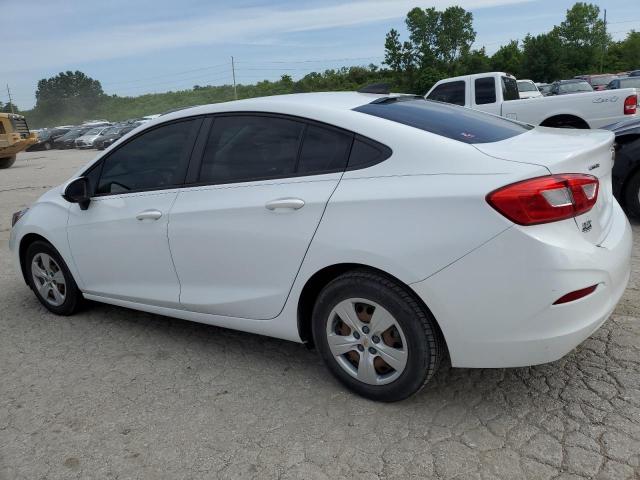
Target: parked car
column 497, row 93
column 111, row 135
column 528, row 89
column 598, row 82
column 635, row 73
column 626, row 168
column 46, row 138
column 88, row 139
column 383, row 229
column 544, row 88
column 68, row 140
column 567, row 87
column 628, row 82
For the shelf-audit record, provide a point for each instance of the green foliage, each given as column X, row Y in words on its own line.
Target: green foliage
column 7, row 108
column 508, row 59
column 542, row 58
column 583, row 37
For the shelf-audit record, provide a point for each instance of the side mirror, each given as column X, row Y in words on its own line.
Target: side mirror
column 78, row 192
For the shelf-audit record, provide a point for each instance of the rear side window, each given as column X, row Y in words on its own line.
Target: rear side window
column 510, row 89
column 365, row 153
column 485, row 90
column 245, row 148
column 323, row 150
column 462, row 124
column 155, row 159
column 450, row 92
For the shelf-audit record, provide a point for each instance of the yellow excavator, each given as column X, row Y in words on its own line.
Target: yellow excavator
column 14, row 137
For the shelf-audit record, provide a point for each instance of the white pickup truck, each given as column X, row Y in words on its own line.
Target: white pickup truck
column 497, row 93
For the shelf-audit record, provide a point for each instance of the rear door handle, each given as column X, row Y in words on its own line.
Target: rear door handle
column 149, row 215
column 285, row 203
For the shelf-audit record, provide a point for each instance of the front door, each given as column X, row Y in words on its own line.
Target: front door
column 119, row 244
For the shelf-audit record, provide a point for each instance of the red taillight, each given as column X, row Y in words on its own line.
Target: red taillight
column 546, row 199
column 575, row 295
column 631, row 105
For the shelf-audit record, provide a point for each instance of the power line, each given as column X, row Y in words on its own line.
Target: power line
column 168, row 74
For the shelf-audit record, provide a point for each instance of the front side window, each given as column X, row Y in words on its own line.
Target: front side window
column 485, row 90
column 449, row 92
column 245, row 148
column 156, row 159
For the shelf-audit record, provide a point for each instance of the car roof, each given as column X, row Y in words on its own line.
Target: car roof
column 313, row 105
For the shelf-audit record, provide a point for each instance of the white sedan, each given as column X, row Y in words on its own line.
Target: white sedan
column 386, row 230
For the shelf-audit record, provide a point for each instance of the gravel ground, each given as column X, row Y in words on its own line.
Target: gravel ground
column 114, row 393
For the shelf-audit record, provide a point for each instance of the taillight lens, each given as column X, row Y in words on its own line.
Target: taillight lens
column 631, row 105
column 546, row 199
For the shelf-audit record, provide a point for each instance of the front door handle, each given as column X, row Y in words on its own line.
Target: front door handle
column 285, row 203
column 149, row 215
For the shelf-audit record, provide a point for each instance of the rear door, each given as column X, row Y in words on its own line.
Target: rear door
column 484, row 95
column 239, row 235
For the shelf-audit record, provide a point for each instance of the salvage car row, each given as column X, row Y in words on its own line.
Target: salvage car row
column 98, row 134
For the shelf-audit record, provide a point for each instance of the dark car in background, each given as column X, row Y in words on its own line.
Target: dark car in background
column 626, row 168
column 625, row 82
column 46, row 138
column 565, row 87
column 68, row 140
column 598, row 82
column 113, row 134
column 635, row 73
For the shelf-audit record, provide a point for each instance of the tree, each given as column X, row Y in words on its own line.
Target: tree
column 475, row 61
column 583, row 36
column 508, row 58
column 456, row 34
column 68, row 93
column 9, row 107
column 542, row 58
column 624, row 55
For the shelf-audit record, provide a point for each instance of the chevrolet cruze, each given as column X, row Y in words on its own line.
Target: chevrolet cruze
column 388, row 231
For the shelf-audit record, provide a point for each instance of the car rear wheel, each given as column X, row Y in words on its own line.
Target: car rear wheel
column 50, row 279
column 632, row 195
column 375, row 337
column 6, row 162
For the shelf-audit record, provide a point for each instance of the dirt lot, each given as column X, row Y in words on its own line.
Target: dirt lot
column 114, row 393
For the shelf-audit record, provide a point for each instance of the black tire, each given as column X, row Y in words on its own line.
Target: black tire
column 425, row 345
column 632, row 195
column 73, row 297
column 6, row 162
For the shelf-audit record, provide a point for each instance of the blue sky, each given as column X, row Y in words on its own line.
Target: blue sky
column 141, row 46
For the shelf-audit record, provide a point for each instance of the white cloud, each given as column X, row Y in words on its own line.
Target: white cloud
column 114, row 40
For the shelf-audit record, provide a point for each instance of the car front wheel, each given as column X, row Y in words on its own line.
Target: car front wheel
column 375, row 337
column 50, row 279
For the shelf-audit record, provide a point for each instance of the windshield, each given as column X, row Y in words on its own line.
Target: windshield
column 111, row 131
column 450, row 121
column 575, row 87
column 526, row 87
column 95, row 131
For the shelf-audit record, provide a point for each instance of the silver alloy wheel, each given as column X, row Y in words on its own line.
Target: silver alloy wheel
column 367, row 341
column 48, row 279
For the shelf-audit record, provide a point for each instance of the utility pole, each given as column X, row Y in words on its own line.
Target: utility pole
column 233, row 72
column 10, row 101
column 604, row 41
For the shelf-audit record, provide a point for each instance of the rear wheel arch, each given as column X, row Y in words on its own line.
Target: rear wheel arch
column 565, row 121
column 321, row 278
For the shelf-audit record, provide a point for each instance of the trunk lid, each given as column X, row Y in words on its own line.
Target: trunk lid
column 568, row 151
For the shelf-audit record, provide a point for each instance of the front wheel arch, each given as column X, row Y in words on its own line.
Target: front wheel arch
column 26, row 241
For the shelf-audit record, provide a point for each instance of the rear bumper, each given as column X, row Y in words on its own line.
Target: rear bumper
column 495, row 305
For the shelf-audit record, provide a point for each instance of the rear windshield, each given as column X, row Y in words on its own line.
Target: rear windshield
column 457, row 123
column 575, row 87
